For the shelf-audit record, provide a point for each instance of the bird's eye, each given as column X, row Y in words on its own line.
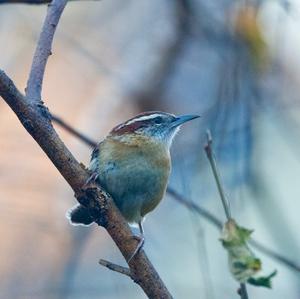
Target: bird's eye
column 158, row 120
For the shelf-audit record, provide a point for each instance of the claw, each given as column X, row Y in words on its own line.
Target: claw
column 94, row 176
column 138, row 248
column 141, row 240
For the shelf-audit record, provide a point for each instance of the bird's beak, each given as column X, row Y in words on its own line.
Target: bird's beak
column 183, row 119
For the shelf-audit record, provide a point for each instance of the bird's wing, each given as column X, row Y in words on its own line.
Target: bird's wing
column 94, row 163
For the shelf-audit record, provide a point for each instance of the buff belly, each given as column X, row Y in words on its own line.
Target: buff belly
column 137, row 183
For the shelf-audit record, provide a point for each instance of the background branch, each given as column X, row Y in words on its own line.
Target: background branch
column 73, row 131
column 218, row 223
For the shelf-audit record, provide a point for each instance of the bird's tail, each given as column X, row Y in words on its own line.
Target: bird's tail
column 79, row 215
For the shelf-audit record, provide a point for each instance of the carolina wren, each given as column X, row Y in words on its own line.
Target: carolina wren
column 133, row 165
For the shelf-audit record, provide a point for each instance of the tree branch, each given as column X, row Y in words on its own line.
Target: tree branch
column 116, row 268
column 43, row 50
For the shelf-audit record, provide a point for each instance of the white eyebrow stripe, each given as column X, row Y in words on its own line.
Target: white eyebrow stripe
column 145, row 117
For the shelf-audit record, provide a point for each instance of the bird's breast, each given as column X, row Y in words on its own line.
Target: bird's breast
column 135, row 175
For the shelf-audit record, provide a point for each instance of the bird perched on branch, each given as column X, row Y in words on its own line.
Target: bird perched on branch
column 133, row 165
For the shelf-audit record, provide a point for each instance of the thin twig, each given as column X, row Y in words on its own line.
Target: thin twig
column 218, row 223
column 213, row 164
column 194, row 207
column 210, row 155
column 116, row 268
column 275, row 255
column 190, row 204
column 73, row 132
column 43, row 50
column 243, row 291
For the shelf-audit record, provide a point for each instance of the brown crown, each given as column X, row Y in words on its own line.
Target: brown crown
column 136, row 123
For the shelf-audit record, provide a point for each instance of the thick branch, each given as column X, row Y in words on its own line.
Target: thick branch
column 36, row 120
column 43, row 50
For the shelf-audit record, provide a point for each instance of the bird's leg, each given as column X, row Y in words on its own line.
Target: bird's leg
column 93, row 177
column 141, row 240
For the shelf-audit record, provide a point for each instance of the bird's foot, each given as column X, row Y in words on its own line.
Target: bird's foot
column 94, row 176
column 140, row 245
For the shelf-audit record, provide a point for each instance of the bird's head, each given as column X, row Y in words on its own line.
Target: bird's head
column 160, row 126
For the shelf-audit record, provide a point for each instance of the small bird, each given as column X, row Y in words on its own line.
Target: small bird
column 133, row 165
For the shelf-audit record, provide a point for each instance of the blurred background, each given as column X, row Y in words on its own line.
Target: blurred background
column 236, row 63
